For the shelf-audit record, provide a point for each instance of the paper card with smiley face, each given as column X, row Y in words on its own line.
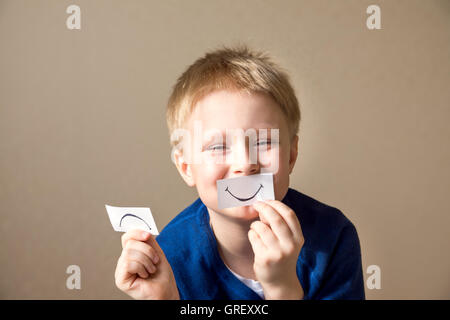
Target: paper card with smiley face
column 243, row 191
column 128, row 218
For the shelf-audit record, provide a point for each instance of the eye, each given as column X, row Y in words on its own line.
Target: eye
column 216, row 147
column 262, row 143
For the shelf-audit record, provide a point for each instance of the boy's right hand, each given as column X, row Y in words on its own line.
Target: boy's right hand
column 143, row 271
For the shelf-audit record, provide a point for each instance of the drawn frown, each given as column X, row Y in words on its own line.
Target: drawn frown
column 245, row 199
column 133, row 216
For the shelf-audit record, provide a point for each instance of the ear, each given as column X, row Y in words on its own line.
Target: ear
column 293, row 153
column 183, row 167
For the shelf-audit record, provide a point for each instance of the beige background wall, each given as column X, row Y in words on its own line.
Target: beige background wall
column 82, row 124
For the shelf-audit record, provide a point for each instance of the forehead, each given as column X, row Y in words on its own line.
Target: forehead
column 236, row 109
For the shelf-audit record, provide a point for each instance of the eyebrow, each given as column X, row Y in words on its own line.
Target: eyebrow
column 224, row 135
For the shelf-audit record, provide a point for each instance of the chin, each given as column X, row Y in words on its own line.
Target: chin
column 245, row 213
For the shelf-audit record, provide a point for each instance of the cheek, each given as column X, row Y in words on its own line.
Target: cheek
column 281, row 174
column 206, row 175
column 211, row 172
column 280, row 184
column 274, row 160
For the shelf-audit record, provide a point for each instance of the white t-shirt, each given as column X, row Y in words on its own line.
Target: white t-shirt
column 252, row 284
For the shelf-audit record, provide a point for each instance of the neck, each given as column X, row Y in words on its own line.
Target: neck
column 233, row 243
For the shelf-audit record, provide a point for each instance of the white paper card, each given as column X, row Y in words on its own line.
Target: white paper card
column 243, row 191
column 128, row 218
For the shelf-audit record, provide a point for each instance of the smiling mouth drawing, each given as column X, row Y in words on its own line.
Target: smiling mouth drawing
column 245, row 199
column 134, row 216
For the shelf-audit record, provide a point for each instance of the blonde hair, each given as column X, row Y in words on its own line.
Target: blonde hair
column 236, row 68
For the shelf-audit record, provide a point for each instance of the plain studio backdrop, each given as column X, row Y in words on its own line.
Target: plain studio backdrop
column 82, row 124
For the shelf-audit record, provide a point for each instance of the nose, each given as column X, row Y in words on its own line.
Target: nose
column 243, row 163
column 245, row 169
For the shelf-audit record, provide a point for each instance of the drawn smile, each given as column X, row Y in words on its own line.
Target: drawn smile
column 134, row 216
column 245, row 199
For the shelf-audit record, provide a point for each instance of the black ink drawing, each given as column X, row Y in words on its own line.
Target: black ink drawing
column 245, row 199
column 134, row 216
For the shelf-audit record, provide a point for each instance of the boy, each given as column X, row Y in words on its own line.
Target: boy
column 293, row 247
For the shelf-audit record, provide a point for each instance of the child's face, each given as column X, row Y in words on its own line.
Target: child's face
column 222, row 111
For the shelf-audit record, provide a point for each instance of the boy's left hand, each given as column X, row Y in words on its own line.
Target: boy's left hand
column 276, row 241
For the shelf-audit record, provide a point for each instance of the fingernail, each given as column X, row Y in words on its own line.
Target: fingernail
column 155, row 258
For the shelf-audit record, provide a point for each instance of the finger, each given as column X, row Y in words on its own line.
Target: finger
column 134, row 234
column 143, row 247
column 256, row 243
column 275, row 219
column 265, row 234
column 138, row 256
column 134, row 267
column 123, row 276
column 289, row 216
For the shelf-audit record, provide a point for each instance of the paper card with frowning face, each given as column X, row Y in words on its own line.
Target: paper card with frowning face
column 243, row 191
column 127, row 218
